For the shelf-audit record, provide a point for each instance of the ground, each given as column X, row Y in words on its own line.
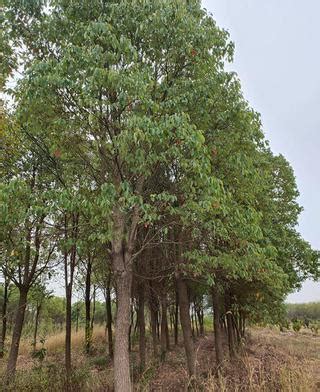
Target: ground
column 270, row 361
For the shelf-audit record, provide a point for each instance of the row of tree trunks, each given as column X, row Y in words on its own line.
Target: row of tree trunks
column 216, row 302
column 186, row 324
column 229, row 320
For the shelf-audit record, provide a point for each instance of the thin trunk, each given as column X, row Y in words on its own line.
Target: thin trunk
column 192, row 324
column 201, row 321
column 36, row 326
column 158, row 324
column 16, row 335
column 176, row 319
column 186, row 325
column 242, row 328
column 4, row 316
column 230, row 326
column 236, row 329
column 167, row 336
column 216, row 301
column 164, row 327
column 77, row 318
column 109, row 319
column 196, row 321
column 230, row 334
column 68, row 333
column 93, row 309
column 69, row 268
column 153, row 322
column 87, row 300
column 136, row 324
column 142, row 328
column 130, row 326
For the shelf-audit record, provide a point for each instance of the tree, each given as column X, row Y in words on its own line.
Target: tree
column 115, row 99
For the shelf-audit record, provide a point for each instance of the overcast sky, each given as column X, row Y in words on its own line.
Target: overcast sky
column 278, row 61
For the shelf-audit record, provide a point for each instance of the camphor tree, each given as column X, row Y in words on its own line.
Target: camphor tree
column 142, row 147
column 29, row 240
column 108, row 81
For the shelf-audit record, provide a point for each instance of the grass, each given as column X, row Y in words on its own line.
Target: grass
column 55, row 343
column 271, row 361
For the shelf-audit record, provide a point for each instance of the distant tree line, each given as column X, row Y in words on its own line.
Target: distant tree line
column 303, row 311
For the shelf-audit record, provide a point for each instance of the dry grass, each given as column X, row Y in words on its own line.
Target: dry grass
column 271, row 361
column 55, row 343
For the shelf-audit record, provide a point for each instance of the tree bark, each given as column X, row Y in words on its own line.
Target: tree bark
column 68, row 333
column 69, row 269
column 93, row 309
column 142, row 328
column 109, row 319
column 153, row 321
column 130, row 326
column 164, row 327
column 230, row 327
column 123, row 281
column 88, row 333
column 216, row 301
column 230, row 334
column 186, row 324
column 4, row 316
column 77, row 318
column 16, row 335
column 176, row 319
column 36, row 326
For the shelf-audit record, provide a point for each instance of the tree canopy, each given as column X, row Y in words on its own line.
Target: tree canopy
column 132, row 157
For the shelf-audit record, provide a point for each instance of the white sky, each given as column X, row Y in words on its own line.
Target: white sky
column 278, row 61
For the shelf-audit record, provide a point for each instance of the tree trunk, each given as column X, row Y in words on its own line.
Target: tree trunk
column 123, row 280
column 68, row 333
column 201, row 321
column 142, row 328
column 230, row 327
column 176, row 319
column 216, row 301
column 164, row 327
column 130, row 326
column 158, row 323
column 192, row 324
column 109, row 320
column 153, row 321
column 186, row 324
column 88, row 334
column 77, row 318
column 4, row 317
column 36, row 326
column 16, row 335
column 69, row 269
column 230, row 334
column 93, row 309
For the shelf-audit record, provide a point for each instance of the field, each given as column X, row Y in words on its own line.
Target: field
column 270, row 361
